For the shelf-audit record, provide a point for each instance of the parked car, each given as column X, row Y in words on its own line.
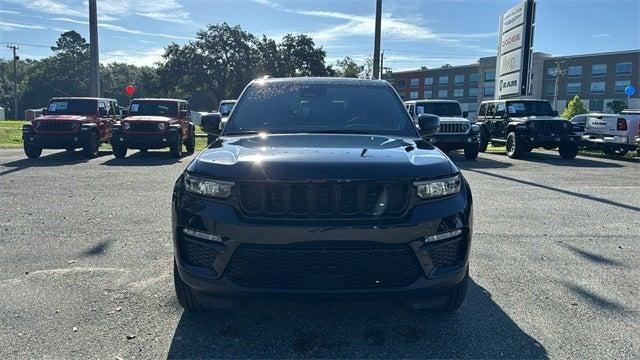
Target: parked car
column 456, row 132
column 224, row 108
column 322, row 187
column 155, row 124
column 70, row 123
column 525, row 124
column 615, row 134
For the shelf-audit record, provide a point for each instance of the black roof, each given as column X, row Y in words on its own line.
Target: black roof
column 81, row 98
column 323, row 81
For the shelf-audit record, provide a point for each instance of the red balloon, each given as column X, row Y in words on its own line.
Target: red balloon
column 129, row 90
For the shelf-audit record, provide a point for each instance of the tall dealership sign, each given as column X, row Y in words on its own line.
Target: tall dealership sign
column 515, row 43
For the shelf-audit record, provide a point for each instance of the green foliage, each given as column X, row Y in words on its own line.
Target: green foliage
column 348, row 68
column 575, row 107
column 616, row 106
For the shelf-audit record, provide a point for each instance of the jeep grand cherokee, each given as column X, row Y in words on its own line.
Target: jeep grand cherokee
column 321, row 188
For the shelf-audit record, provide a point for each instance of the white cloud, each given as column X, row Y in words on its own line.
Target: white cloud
column 139, row 58
column 118, row 28
column 9, row 12
column 52, row 7
column 601, row 35
column 8, row 26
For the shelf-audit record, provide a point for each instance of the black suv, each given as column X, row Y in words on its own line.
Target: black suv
column 523, row 125
column 321, row 187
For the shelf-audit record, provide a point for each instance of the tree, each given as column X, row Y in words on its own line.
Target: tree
column 72, row 53
column 300, row 57
column 616, row 106
column 446, row 66
column 575, row 107
column 348, row 68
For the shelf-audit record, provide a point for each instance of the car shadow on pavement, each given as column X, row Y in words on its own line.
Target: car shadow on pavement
column 596, row 258
column 479, row 163
column 149, row 158
column 51, row 160
column 479, row 329
column 562, row 191
column 549, row 158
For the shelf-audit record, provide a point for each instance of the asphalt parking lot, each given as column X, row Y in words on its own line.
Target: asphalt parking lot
column 86, row 270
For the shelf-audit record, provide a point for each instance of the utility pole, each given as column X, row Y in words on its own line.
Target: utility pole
column 560, row 71
column 376, row 46
column 381, row 64
column 15, row 47
column 93, row 40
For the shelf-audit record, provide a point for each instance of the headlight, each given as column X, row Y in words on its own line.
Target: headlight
column 37, row 124
column 465, row 127
column 126, row 126
column 206, row 187
column 532, row 125
column 161, row 126
column 438, row 188
column 565, row 124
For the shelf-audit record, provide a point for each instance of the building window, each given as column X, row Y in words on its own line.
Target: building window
column 574, row 71
column 413, row 95
column 428, row 94
column 458, row 79
column 443, row 93
column 489, row 90
column 402, row 84
column 596, row 104
column 623, row 68
column 574, row 87
column 443, row 80
column 428, row 81
column 414, row 83
column 549, row 88
column 458, row 93
column 473, row 107
column 402, row 97
column 621, row 85
column 474, row 78
column 489, row 76
column 473, row 92
column 598, row 69
column 551, row 72
column 597, row 87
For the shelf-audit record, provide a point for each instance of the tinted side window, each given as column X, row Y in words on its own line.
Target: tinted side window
column 500, row 110
column 483, row 110
column 490, row 109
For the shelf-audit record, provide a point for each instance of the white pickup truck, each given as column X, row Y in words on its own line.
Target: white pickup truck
column 615, row 134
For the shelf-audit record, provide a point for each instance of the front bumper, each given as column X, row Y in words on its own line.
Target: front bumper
column 440, row 265
column 50, row 140
column 537, row 140
column 145, row 141
column 456, row 141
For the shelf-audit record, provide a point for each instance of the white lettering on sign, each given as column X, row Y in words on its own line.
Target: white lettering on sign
column 512, row 39
column 513, row 17
column 509, row 84
column 511, row 62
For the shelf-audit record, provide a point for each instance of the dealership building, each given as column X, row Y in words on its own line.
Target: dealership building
column 596, row 78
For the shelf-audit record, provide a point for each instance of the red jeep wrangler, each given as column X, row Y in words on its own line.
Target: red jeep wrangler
column 155, row 124
column 70, row 123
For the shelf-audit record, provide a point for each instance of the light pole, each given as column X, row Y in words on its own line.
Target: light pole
column 558, row 73
column 376, row 45
column 15, row 47
column 93, row 39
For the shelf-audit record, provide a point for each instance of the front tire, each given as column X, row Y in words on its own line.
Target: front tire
column 484, row 139
column 568, row 150
column 175, row 150
column 515, row 148
column 120, row 152
column 186, row 298
column 90, row 150
column 191, row 141
column 32, row 151
column 456, row 296
column 471, row 151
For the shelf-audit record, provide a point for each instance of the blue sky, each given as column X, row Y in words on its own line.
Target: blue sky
column 415, row 32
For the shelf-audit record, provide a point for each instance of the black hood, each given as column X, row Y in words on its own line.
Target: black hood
column 327, row 157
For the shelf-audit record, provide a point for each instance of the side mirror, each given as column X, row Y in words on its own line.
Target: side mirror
column 465, row 114
column 44, row 112
column 554, row 113
column 102, row 112
column 429, row 124
column 125, row 113
column 184, row 113
column 210, row 124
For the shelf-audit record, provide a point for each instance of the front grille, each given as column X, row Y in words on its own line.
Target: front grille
column 57, row 126
column 549, row 127
column 324, row 265
column 451, row 128
column 325, row 200
column 450, row 253
column 196, row 253
column 143, row 126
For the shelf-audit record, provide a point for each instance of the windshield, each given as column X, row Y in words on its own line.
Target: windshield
column 529, row 108
column 225, row 108
column 440, row 109
column 320, row 108
column 158, row 108
column 73, row 107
